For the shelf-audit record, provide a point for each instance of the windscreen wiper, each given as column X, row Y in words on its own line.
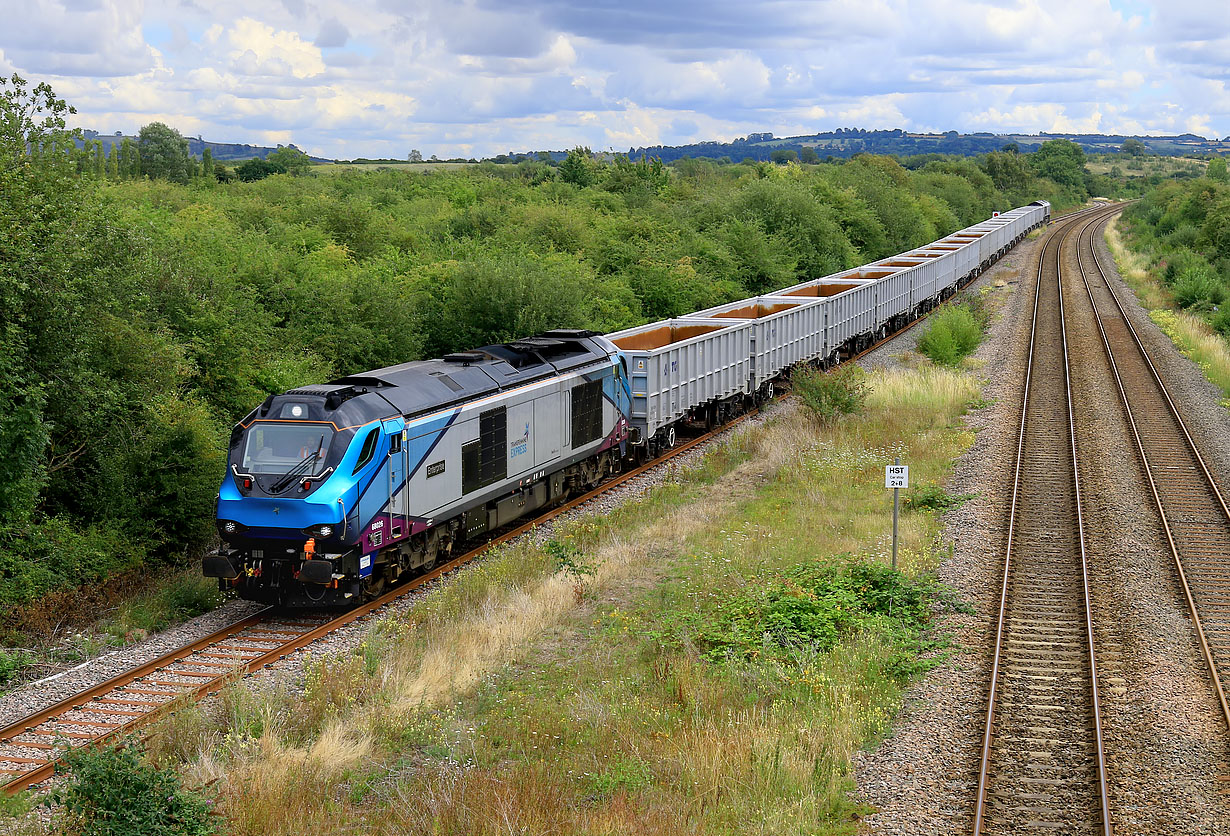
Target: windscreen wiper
column 298, row 470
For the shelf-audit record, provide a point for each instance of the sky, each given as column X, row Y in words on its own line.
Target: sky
column 377, row 78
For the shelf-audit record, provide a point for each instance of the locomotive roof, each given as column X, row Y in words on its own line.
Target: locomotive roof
column 425, row 385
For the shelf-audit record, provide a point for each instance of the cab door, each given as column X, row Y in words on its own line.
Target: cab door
column 399, row 486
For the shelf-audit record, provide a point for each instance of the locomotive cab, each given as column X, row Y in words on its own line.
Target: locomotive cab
column 296, row 466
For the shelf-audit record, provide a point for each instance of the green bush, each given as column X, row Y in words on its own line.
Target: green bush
column 1198, row 288
column 11, row 661
column 954, row 332
column 111, row 791
column 832, row 395
column 811, row 607
column 930, row 496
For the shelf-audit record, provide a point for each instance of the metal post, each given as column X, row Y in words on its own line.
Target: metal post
column 896, row 496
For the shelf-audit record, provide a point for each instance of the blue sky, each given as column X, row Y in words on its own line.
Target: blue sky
column 477, row 77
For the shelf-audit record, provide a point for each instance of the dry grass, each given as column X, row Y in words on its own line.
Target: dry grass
column 1134, row 268
column 1190, row 334
column 1201, row 344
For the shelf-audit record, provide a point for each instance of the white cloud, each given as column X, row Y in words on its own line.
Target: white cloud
column 257, row 49
column 367, row 77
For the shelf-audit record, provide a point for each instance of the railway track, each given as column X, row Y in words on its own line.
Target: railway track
column 1042, row 768
column 31, row 747
column 1193, row 514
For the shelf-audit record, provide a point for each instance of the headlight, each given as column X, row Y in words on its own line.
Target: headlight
column 230, row 528
column 326, row 531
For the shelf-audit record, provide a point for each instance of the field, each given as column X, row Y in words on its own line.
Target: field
column 334, row 168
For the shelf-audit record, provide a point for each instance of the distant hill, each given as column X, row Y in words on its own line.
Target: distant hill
column 846, row 142
column 222, row 151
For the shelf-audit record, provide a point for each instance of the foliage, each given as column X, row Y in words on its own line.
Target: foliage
column 828, row 396
column 571, row 561
column 1197, row 287
column 16, row 805
column 11, row 663
column 810, row 607
column 578, row 168
column 164, row 153
column 953, row 333
column 141, row 317
column 289, row 160
column 930, row 496
column 111, row 791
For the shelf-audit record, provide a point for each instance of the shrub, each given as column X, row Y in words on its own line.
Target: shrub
column 111, row 791
column 1198, row 288
column 831, row 395
column 954, row 333
column 929, row 495
column 811, row 607
column 11, row 661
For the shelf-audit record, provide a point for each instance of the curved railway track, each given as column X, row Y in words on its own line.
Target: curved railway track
column 31, row 747
column 1193, row 514
column 1042, row 768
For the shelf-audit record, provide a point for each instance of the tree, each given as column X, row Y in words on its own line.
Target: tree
column 578, row 168
column 1063, row 161
column 784, row 155
column 1134, row 147
column 1217, row 170
column 254, row 169
column 130, row 160
column 207, row 163
column 113, row 162
column 289, row 160
column 164, row 153
column 415, row 156
column 1008, row 171
column 809, row 155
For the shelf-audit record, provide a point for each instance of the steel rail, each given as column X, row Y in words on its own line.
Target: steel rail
column 1148, row 466
column 213, row 684
column 1058, row 236
column 45, row 770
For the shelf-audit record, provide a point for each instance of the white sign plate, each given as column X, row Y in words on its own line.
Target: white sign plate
column 897, row 476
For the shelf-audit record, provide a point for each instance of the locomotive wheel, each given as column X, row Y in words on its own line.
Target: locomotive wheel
column 373, row 587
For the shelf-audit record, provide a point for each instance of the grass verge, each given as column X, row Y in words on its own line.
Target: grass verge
column 1191, row 334
column 737, row 638
column 167, row 599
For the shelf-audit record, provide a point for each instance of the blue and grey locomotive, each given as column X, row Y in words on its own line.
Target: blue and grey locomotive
column 334, row 490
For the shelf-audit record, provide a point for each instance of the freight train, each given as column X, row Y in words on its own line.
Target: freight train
column 335, row 490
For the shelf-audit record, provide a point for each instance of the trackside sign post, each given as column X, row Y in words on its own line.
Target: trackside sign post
column 896, row 476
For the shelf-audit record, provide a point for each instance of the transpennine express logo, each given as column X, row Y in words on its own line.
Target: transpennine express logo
column 522, row 444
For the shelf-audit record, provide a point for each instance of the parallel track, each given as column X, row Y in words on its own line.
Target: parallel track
column 1193, row 514
column 1042, row 768
column 31, row 747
